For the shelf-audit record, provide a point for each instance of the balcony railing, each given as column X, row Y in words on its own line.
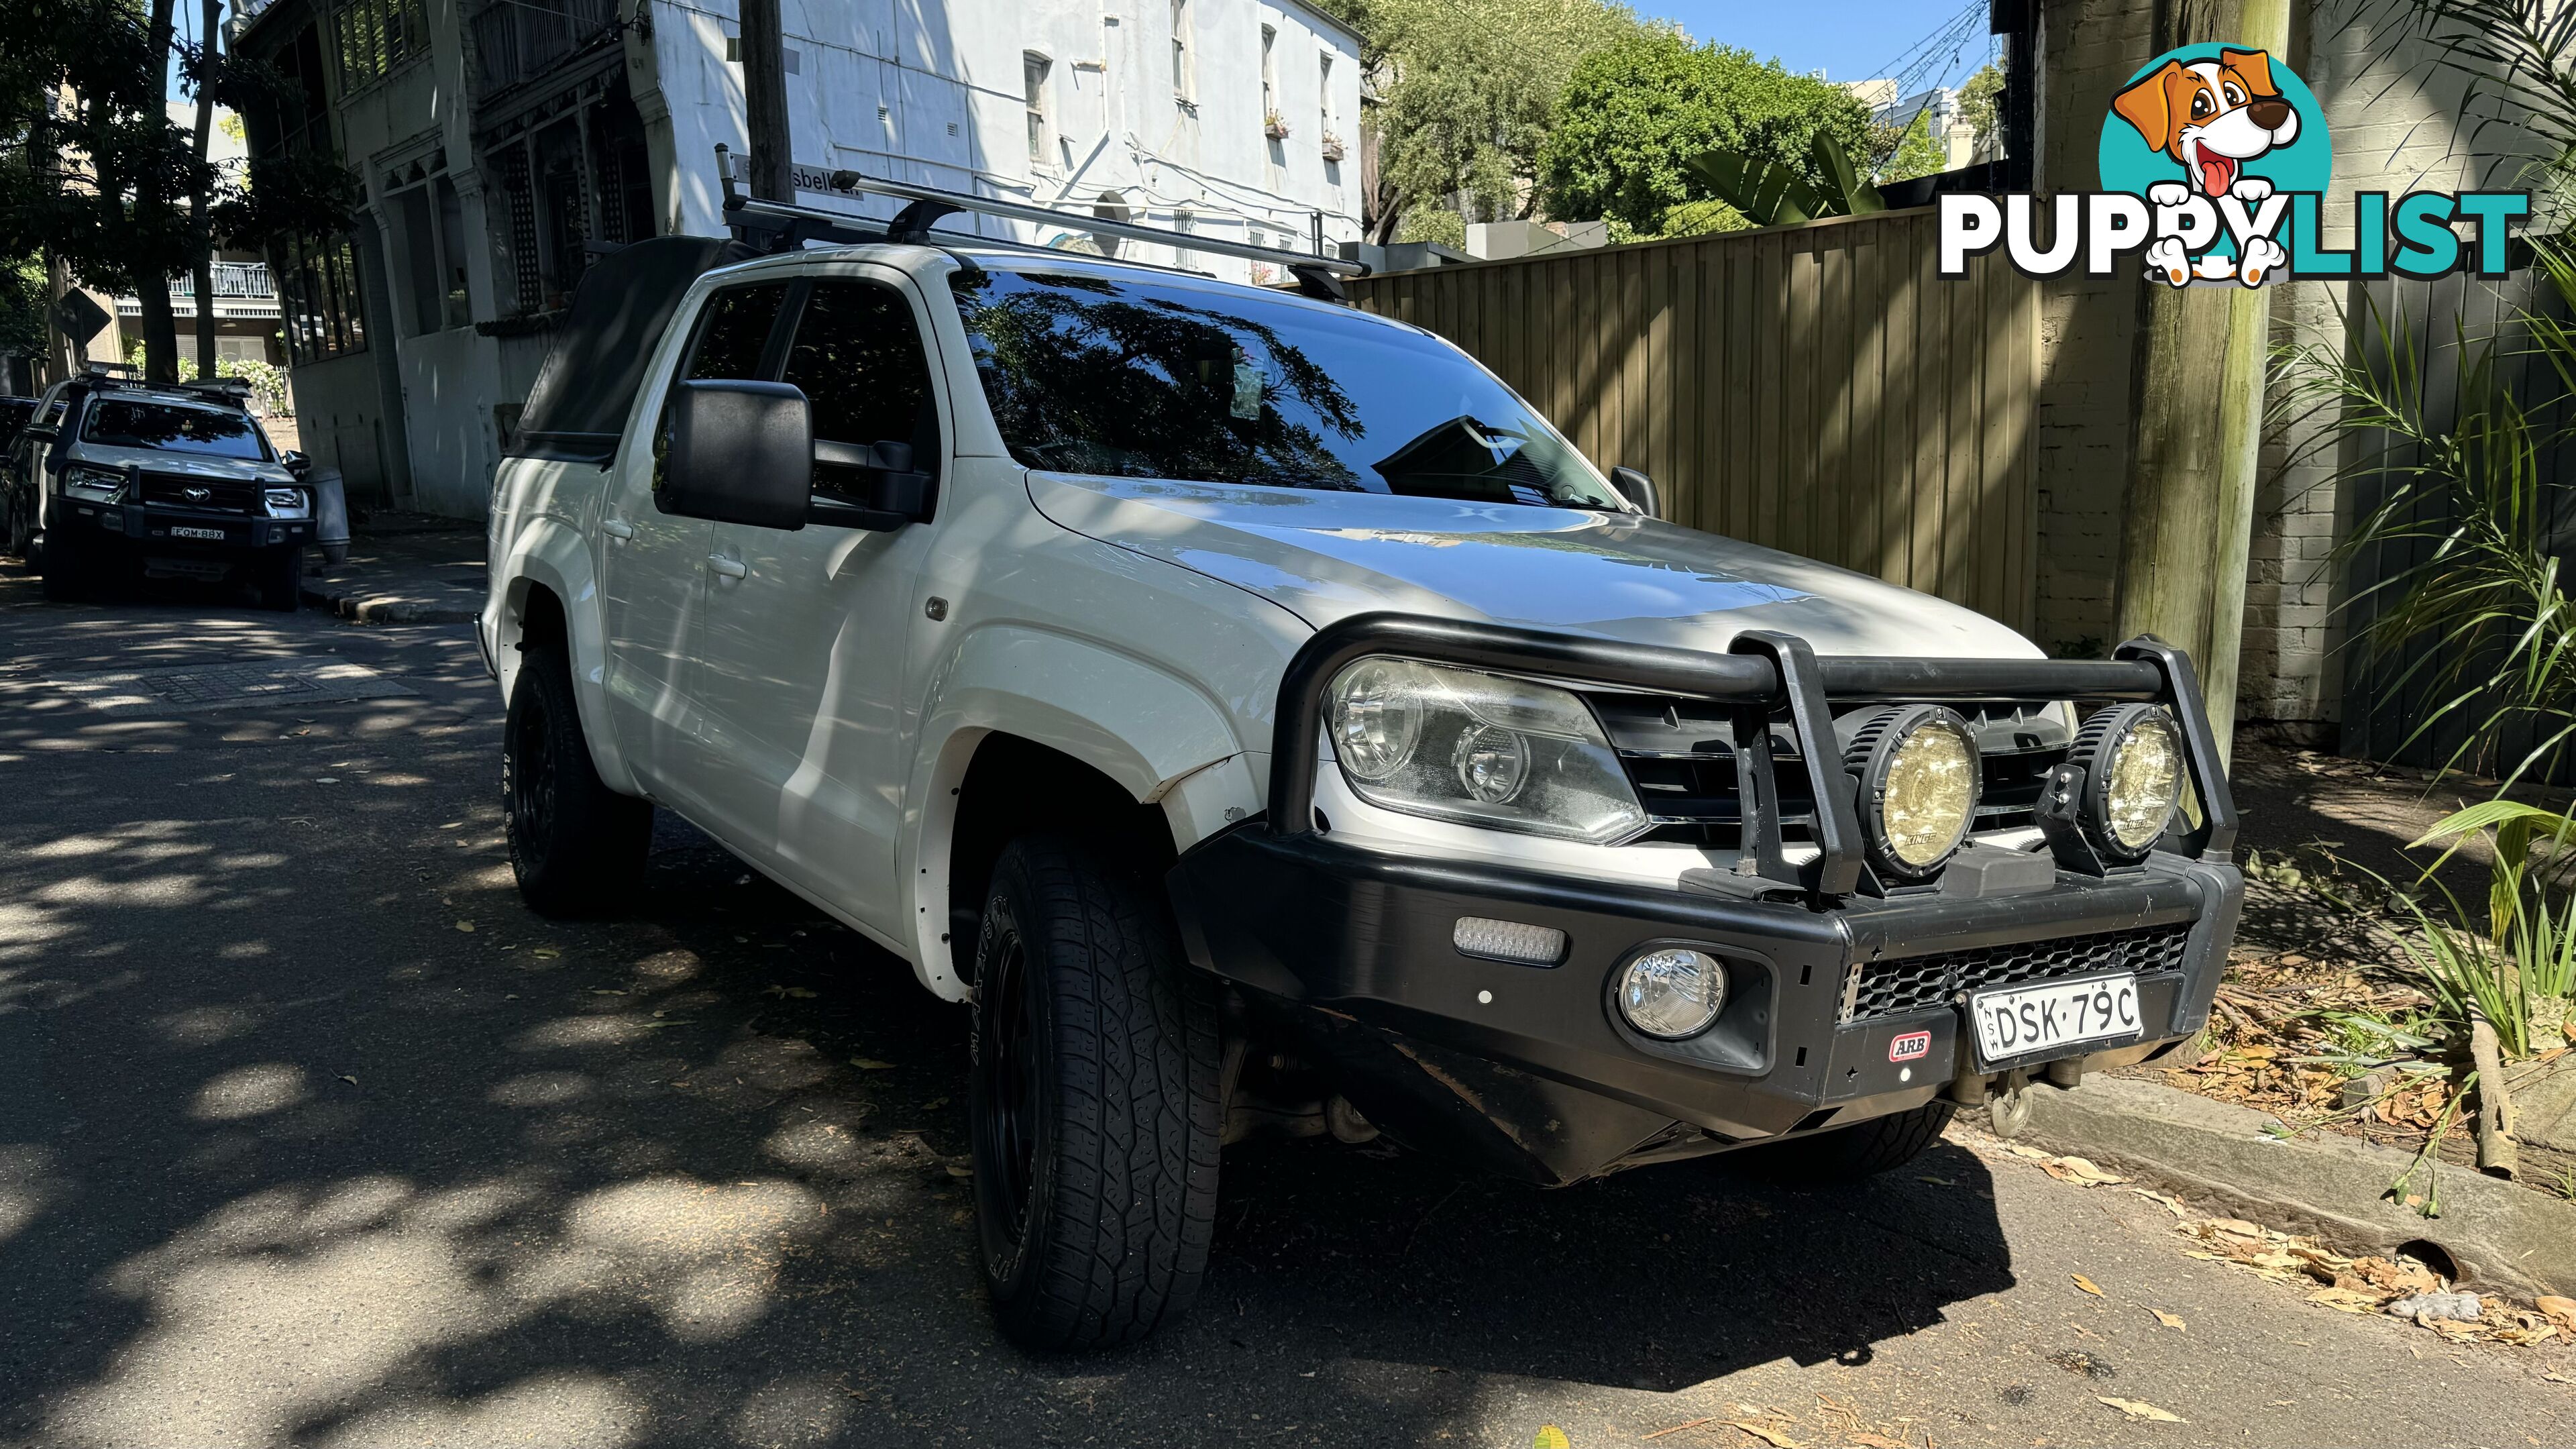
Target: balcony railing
column 232, row 279
column 519, row 40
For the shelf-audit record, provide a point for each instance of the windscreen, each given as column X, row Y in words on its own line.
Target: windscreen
column 1141, row 378
column 131, row 423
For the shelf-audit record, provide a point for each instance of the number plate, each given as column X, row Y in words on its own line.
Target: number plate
column 2022, row 1021
column 217, row 534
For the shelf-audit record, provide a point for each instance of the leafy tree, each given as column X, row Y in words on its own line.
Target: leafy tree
column 1433, row 224
column 1981, row 105
column 1466, row 93
column 1635, row 115
column 1902, row 155
column 96, row 180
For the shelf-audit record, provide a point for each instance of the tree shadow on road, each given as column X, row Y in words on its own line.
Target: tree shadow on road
column 289, row 1154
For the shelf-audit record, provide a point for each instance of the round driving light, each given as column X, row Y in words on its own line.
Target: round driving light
column 2133, row 778
column 1920, row 780
column 1672, row 992
column 1377, row 708
column 1493, row 762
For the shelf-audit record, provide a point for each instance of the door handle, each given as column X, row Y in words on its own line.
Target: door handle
column 732, row 568
column 617, row 528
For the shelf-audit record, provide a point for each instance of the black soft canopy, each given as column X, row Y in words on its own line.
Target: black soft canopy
column 583, row 393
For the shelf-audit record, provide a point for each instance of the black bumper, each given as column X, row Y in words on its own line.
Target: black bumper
column 1530, row 1068
column 141, row 526
column 1846, row 998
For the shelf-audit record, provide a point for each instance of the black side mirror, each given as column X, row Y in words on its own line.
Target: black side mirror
column 739, row 452
column 1638, row 489
column 295, row 462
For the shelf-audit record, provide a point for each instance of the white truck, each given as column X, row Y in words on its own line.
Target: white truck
column 1262, row 717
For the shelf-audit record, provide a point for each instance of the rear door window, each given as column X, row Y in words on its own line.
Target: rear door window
column 859, row 361
column 733, row 333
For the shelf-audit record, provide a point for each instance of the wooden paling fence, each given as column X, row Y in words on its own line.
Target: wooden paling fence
column 1813, row 388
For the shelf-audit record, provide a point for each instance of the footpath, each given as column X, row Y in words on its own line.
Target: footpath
column 403, row 568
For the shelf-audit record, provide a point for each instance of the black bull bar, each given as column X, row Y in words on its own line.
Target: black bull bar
column 1761, row 672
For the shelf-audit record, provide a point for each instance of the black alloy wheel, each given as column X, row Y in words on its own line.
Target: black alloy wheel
column 575, row 845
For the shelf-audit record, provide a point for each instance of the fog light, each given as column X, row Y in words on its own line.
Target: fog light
column 1672, row 992
column 1522, row 945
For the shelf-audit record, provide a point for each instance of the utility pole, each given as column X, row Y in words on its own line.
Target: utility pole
column 209, row 19
column 764, row 100
column 152, row 207
column 2188, row 516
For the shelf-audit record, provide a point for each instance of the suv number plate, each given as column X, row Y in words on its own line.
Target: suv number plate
column 179, row 531
column 2018, row 1021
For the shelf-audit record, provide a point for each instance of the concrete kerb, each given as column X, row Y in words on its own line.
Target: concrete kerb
column 366, row 607
column 2332, row 1188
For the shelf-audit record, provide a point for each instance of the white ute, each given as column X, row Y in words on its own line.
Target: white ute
column 1264, row 718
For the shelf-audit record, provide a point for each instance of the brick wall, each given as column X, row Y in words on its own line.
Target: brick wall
column 2087, row 49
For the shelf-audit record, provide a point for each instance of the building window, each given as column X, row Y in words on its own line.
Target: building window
column 1184, row 222
column 1181, row 49
column 1269, row 75
column 1033, row 78
column 319, row 296
column 374, row 38
column 1324, row 96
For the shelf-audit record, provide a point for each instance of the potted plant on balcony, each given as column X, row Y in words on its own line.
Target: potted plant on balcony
column 1275, row 126
column 1333, row 149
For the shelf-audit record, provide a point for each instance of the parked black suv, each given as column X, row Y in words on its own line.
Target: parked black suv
column 113, row 477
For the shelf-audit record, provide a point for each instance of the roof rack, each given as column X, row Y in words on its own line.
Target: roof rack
column 784, row 226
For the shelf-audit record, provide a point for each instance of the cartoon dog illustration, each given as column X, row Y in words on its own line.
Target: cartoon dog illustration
column 2213, row 116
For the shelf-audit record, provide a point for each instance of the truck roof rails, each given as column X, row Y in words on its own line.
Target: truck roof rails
column 784, row 226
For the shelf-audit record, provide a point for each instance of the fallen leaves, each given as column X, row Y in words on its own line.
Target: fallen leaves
column 2087, row 1284
column 2138, row 1409
column 2079, row 1171
column 2167, row 1319
column 465, row 926
column 871, row 1064
column 1768, row 1435
column 2365, row 1285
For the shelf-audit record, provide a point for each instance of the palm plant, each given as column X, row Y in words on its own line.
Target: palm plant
column 1772, row 194
column 2520, row 974
column 2481, row 607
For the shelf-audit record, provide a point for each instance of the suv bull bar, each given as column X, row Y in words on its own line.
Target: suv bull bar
column 1843, row 1004
column 1763, row 671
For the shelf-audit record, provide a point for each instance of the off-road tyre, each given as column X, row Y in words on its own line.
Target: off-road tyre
column 1093, row 1098
column 1848, row 1154
column 576, row 846
column 280, row 576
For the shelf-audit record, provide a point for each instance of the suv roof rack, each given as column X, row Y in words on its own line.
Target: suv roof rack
column 778, row 226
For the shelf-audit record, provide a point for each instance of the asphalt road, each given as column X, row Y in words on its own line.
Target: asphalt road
column 310, row 1134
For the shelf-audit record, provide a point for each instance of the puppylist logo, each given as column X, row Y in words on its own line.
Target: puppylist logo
column 2214, row 164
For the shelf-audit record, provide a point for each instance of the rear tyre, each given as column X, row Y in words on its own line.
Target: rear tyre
column 1093, row 1099
column 574, row 843
column 1848, row 1154
column 281, row 580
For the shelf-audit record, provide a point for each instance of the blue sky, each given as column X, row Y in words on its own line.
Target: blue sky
column 1848, row 39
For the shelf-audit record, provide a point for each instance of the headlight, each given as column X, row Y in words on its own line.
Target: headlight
column 285, row 502
column 1920, row 780
column 1672, row 992
column 1486, row 749
column 94, row 485
column 2132, row 761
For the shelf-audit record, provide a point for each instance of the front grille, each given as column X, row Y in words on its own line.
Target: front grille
column 1680, row 756
column 1919, row 983
column 222, row 495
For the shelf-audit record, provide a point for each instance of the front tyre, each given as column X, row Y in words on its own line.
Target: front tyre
column 574, row 843
column 281, row 579
column 1864, row 1149
column 1093, row 1099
